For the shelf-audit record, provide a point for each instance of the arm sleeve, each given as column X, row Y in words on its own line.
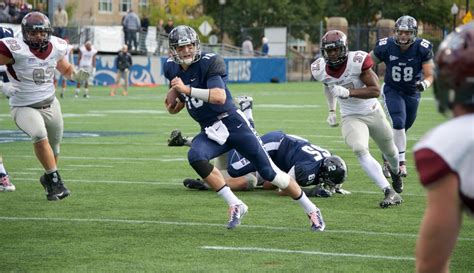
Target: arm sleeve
column 368, row 63
column 431, row 166
column 215, row 72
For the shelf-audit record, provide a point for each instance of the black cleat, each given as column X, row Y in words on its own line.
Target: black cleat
column 54, row 188
column 397, row 181
column 195, row 184
column 391, row 199
column 176, row 139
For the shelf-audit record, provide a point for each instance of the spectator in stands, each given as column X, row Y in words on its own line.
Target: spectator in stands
column 132, row 26
column 145, row 23
column 4, row 16
column 247, row 46
column 123, row 64
column 169, row 26
column 161, row 36
column 265, row 47
column 60, row 21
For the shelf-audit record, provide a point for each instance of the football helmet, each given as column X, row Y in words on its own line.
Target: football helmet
column 333, row 171
column 334, row 40
column 454, row 72
column 407, row 24
column 36, row 30
column 181, row 36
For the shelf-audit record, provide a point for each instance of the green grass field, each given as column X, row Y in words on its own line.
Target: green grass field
column 129, row 211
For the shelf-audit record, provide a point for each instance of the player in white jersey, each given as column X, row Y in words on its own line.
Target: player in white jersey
column 445, row 155
column 58, row 77
column 347, row 76
column 86, row 61
column 31, row 61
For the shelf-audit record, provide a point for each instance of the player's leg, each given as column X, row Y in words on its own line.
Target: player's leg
column 202, row 150
column 125, row 79
column 32, row 122
column 383, row 136
column 396, row 107
column 356, row 135
column 411, row 103
column 242, row 137
column 5, row 184
column 78, row 89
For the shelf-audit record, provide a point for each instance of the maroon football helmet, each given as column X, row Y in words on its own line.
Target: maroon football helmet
column 454, row 77
column 334, row 40
column 36, row 30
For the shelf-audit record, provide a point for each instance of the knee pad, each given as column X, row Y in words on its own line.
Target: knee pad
column 202, row 167
column 281, row 180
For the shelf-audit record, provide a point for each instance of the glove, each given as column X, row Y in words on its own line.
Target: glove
column 332, row 119
column 339, row 91
column 80, row 75
column 8, row 89
column 422, row 86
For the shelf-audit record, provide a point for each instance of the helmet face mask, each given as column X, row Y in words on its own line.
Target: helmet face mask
column 334, row 48
column 184, row 45
column 333, row 171
column 36, row 30
column 454, row 72
column 406, row 29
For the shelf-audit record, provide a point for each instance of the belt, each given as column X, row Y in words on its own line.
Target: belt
column 43, row 107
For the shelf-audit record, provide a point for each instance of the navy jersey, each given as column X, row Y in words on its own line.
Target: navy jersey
column 208, row 72
column 403, row 69
column 287, row 152
column 6, row 32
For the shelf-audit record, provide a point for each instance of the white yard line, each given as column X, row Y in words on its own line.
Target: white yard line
column 318, row 253
column 155, row 222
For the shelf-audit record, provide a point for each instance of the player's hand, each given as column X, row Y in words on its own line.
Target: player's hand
column 80, row 75
column 8, row 89
column 332, row 119
column 339, row 91
column 422, row 85
column 179, row 86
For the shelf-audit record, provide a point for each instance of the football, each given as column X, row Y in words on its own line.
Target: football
column 172, row 97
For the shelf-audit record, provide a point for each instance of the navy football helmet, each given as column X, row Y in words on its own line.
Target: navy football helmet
column 334, row 40
column 405, row 24
column 36, row 30
column 333, row 171
column 181, row 36
column 454, row 71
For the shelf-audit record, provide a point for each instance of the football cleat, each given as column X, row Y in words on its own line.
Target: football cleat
column 195, row 184
column 54, row 188
column 5, row 184
column 386, row 169
column 316, row 219
column 236, row 213
column 244, row 102
column 403, row 169
column 391, row 198
column 397, row 181
column 176, row 139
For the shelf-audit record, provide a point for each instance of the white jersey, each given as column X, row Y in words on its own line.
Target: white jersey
column 31, row 75
column 349, row 79
column 86, row 56
column 449, row 147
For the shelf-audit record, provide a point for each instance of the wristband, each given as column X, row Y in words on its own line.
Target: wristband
column 199, row 93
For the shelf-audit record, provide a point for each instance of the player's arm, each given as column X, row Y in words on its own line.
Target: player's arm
column 5, row 60
column 428, row 77
column 374, row 58
column 5, row 55
column 214, row 95
column 440, row 226
column 372, row 88
column 79, row 57
column 70, row 72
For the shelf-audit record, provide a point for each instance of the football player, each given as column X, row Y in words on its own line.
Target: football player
column 200, row 78
column 409, row 65
column 86, row 61
column 445, row 156
column 31, row 61
column 347, row 76
column 5, row 184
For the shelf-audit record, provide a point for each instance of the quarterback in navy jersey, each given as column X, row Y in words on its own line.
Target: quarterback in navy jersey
column 409, row 65
column 199, row 80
